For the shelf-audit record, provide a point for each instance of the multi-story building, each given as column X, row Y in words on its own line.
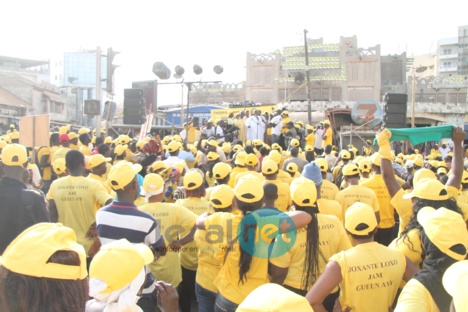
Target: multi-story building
column 463, row 50
column 447, row 57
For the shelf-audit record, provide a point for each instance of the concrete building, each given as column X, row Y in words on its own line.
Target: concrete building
column 463, row 50
column 393, row 74
column 447, row 57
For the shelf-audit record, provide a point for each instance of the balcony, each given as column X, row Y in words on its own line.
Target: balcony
column 448, row 56
column 447, row 69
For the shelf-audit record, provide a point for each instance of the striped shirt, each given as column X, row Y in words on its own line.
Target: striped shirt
column 123, row 220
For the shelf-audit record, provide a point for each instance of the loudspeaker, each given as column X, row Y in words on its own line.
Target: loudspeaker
column 196, row 121
column 395, row 108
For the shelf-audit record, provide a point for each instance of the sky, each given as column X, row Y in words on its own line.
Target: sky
column 209, row 33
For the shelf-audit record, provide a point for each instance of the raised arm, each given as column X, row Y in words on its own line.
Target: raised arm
column 458, row 136
column 386, row 167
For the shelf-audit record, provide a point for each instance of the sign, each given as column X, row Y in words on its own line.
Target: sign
column 92, row 107
column 368, row 112
column 34, row 130
column 224, row 113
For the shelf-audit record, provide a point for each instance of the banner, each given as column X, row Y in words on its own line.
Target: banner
column 217, row 114
column 34, row 130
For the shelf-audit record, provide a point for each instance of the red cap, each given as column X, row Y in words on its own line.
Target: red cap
column 64, row 138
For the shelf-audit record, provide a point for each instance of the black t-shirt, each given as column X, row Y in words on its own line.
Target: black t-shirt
column 147, row 162
column 15, row 215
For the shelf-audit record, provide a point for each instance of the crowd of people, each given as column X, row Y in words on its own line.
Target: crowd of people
column 257, row 213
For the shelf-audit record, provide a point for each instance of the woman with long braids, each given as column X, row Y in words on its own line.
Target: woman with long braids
column 299, row 267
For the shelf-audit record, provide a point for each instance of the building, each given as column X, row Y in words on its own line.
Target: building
column 393, row 74
column 463, row 50
column 447, row 57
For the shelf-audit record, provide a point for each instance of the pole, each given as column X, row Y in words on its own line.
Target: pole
column 413, row 95
column 309, row 108
column 189, row 88
column 98, row 89
column 182, row 104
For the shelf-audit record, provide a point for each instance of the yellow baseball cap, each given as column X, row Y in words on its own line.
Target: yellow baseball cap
column 249, row 189
column 375, row 159
column 365, row 165
column 274, row 298
column 120, row 149
column 360, row 219
column 441, row 170
column 455, row 282
column 430, row 189
column 6, row 138
column 237, row 148
column 153, row 184
column 212, row 156
column 464, row 177
column 294, row 142
column 124, row 139
column 118, row 263
column 251, row 160
column 64, row 129
column 84, row 130
column 14, row 155
column 285, row 112
column 173, row 146
column 322, row 163
column 419, row 162
column 221, row 196
column 276, row 146
column 122, row 174
column 221, row 170
column 269, row 167
column 72, row 135
column 344, row 154
column 193, row 179
column 3, row 144
column 303, row 192
column 226, row 147
column 12, row 126
column 326, row 122
column 98, row 159
column 180, row 165
column 59, row 166
column 240, row 158
column 275, row 156
column 248, row 143
column 29, row 253
column 350, row 170
column 257, row 142
column 309, row 127
column 292, row 167
column 158, row 165
column 308, row 148
column 213, row 142
column 177, row 138
column 445, row 228
column 423, row 173
column 140, row 144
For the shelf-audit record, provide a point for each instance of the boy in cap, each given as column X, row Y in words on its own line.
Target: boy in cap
column 121, row 219
column 63, row 150
column 369, row 274
column 20, row 208
column 45, row 154
column 98, row 166
column 270, row 172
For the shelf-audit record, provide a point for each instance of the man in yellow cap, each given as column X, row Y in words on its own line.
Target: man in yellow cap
column 327, row 136
column 98, row 166
column 270, row 172
column 139, row 226
column 45, row 154
column 20, row 208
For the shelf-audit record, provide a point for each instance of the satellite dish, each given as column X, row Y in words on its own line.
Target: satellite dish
column 218, row 69
column 367, row 112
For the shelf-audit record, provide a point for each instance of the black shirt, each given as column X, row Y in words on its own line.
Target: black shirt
column 15, row 216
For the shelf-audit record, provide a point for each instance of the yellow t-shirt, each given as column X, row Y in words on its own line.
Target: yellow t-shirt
column 371, row 274
column 329, row 137
column 209, row 242
column 234, row 172
column 330, row 207
column 59, row 153
column 285, row 129
column 284, row 177
column 356, row 193
column 284, row 198
column 328, row 190
column 75, row 198
column 188, row 255
column 404, row 208
column 109, row 190
column 411, row 246
column 174, row 221
column 387, row 212
column 332, row 239
column 310, row 139
column 75, row 147
column 46, row 171
column 416, row 297
column 85, row 150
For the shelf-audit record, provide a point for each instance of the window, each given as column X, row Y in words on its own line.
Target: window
column 447, row 51
column 447, row 64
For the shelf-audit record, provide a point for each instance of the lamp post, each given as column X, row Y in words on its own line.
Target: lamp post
column 418, row 69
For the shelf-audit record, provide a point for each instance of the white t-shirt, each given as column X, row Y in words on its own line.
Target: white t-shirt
column 318, row 138
column 278, row 121
column 219, row 131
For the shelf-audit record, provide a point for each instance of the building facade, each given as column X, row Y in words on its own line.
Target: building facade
column 447, row 57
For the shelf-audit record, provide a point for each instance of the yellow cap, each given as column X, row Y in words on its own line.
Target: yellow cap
column 430, row 189
column 2, row 144
column 29, row 253
column 365, row 165
column 226, row 147
column 249, row 189
column 274, row 298
column 240, row 158
column 455, row 282
column 84, row 130
column 122, row 174
column 275, row 156
column 251, row 160
column 326, row 122
column 118, row 263
column 248, row 143
column 350, row 170
column 12, row 126
column 221, row 196
column 176, row 138
column 269, row 167
column 309, row 127
column 59, row 166
column 441, row 170
column 344, row 154
column 213, row 142
column 120, row 149
column 418, row 162
column 285, row 112
column 375, row 159
column 445, row 228
column 322, row 163
column 464, row 177
column 360, row 219
column 98, row 159
column 140, row 144
column 180, row 165
column 303, row 192
column 6, row 138
column 173, row 146
column 72, row 135
column 276, row 146
column 292, row 167
column 294, row 142
column 158, row 165
column 124, row 139
column 212, row 156
column 237, row 148
column 423, row 173
column 309, row 148
column 153, row 184
column 258, row 142
column 14, row 155
column 64, row 129
column 221, row 170
column 193, row 180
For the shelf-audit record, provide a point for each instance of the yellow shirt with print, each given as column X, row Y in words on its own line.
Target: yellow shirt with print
column 416, row 297
column 284, row 177
column 328, row 190
column 189, row 254
column 357, row 193
column 109, row 190
column 174, row 221
column 371, row 274
column 332, row 239
column 209, row 242
column 387, row 212
column 75, row 198
column 284, row 198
